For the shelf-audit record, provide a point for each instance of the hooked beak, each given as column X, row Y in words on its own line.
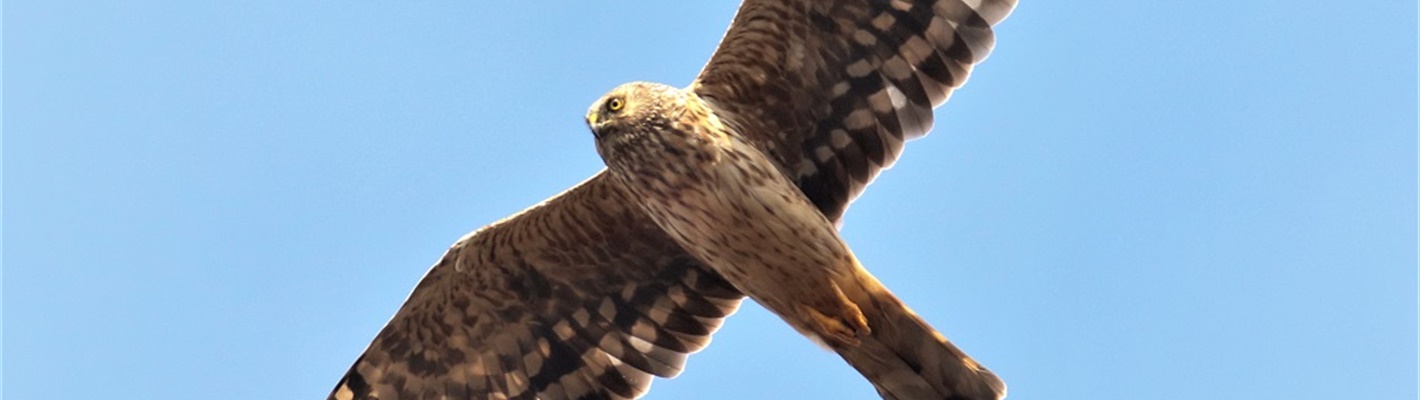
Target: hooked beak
column 594, row 122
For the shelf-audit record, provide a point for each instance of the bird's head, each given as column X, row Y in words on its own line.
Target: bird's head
column 635, row 118
column 632, row 105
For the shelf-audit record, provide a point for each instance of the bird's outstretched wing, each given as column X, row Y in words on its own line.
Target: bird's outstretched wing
column 584, row 297
column 579, row 297
column 832, row 89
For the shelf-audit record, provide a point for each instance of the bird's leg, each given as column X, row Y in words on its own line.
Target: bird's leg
column 844, row 323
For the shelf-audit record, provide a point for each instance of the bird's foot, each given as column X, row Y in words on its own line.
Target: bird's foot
column 843, row 327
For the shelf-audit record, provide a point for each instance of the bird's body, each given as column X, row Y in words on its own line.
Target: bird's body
column 728, row 205
column 730, row 187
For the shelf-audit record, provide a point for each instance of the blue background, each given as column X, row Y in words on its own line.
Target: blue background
column 1129, row 200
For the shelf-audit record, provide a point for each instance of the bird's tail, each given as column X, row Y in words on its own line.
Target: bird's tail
column 905, row 358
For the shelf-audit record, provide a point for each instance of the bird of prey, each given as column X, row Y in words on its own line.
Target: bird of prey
column 727, row 188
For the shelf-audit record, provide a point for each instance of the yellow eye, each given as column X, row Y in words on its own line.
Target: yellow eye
column 615, row 105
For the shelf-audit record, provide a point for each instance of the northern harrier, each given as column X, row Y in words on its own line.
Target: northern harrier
column 728, row 187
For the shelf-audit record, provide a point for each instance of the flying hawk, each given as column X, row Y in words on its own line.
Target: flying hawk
column 727, row 188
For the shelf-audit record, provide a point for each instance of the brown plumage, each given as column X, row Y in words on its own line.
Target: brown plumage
column 729, row 207
column 730, row 186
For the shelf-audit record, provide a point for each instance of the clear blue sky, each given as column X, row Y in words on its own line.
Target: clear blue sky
column 1129, row 200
